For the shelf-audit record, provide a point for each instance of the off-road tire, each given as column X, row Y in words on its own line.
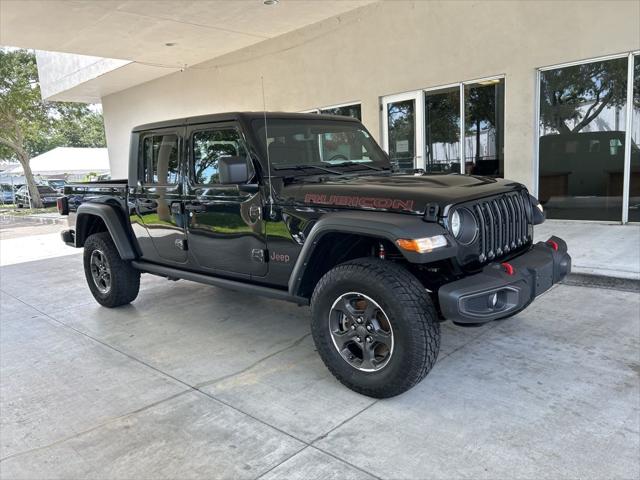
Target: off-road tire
column 125, row 279
column 410, row 310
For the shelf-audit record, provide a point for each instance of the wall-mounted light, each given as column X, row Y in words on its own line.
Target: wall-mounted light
column 170, row 44
column 270, row 2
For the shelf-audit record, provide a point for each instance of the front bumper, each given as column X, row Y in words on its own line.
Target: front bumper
column 495, row 293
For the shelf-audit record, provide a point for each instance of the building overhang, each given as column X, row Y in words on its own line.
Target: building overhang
column 92, row 49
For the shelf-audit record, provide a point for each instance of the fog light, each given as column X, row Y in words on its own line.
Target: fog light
column 493, row 300
column 422, row 245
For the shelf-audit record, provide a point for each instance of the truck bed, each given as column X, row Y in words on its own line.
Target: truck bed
column 100, row 187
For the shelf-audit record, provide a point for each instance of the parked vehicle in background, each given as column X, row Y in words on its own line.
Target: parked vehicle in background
column 307, row 208
column 7, row 193
column 48, row 195
column 57, row 184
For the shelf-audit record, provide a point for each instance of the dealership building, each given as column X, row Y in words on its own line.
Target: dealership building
column 544, row 93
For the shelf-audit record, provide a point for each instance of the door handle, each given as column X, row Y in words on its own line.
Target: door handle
column 255, row 212
column 195, row 207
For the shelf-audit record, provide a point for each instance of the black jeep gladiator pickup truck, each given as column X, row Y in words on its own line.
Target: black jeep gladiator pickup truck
column 307, row 208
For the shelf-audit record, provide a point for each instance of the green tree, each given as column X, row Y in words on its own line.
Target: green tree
column 30, row 126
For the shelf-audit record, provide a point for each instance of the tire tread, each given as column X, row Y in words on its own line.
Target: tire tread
column 419, row 311
column 125, row 279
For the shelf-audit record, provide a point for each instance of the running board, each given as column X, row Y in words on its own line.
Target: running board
column 219, row 282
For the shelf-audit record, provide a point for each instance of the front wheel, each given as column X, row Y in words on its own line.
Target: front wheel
column 375, row 327
column 112, row 281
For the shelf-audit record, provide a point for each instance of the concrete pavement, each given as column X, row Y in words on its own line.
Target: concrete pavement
column 597, row 248
column 192, row 381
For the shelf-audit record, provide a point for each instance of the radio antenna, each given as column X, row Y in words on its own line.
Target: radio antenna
column 266, row 146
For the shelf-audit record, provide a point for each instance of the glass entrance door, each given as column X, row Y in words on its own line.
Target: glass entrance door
column 403, row 127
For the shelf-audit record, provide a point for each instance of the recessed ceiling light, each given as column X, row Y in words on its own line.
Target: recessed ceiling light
column 170, row 44
column 270, row 2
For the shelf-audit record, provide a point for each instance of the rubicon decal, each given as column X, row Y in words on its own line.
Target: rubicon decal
column 355, row 201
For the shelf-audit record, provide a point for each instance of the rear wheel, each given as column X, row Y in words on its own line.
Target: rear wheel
column 112, row 281
column 375, row 327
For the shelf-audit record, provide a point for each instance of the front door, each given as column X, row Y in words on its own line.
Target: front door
column 403, row 126
column 226, row 232
column 158, row 197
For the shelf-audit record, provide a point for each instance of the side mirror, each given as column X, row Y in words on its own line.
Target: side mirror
column 233, row 170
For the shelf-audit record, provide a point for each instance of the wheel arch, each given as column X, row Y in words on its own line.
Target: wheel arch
column 325, row 245
column 93, row 218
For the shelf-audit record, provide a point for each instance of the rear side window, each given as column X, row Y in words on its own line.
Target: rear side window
column 161, row 159
column 211, row 145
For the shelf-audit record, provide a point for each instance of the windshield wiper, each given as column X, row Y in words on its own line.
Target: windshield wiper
column 306, row 167
column 351, row 164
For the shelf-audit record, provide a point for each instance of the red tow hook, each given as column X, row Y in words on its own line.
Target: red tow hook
column 508, row 268
column 552, row 244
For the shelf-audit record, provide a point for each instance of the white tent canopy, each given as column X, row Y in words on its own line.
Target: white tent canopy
column 66, row 161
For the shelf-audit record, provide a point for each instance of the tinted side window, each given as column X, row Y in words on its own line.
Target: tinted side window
column 161, row 159
column 211, row 145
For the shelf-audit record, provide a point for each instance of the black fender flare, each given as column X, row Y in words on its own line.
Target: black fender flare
column 388, row 226
column 114, row 224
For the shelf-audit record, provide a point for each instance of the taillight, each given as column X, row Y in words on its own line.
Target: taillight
column 63, row 205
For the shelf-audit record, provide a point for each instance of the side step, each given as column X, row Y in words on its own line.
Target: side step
column 174, row 273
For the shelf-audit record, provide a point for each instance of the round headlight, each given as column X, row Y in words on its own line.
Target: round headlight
column 456, row 225
column 463, row 226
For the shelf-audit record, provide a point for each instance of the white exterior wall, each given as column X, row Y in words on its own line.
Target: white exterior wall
column 387, row 48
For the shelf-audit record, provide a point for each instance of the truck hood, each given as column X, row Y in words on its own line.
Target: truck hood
column 401, row 193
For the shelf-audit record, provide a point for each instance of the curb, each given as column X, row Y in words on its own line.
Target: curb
column 602, row 281
column 33, row 218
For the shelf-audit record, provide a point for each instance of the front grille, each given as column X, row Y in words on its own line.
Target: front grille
column 504, row 223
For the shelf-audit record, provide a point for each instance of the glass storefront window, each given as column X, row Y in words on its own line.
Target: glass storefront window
column 429, row 124
column 402, row 133
column 442, row 131
column 484, row 128
column 354, row 111
column 634, row 184
column 582, row 134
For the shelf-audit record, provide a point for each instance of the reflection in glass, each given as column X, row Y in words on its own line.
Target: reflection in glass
column 442, row 131
column 402, row 134
column 484, row 128
column 582, row 123
column 161, row 160
column 634, row 185
column 354, row 111
column 208, row 147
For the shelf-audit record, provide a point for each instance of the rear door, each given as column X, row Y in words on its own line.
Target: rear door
column 158, row 196
column 226, row 232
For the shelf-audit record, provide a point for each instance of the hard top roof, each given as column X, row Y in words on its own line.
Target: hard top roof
column 235, row 116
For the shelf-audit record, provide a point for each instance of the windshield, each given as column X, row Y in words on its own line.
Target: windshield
column 45, row 189
column 322, row 143
column 56, row 183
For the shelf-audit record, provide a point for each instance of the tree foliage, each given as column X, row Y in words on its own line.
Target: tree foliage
column 30, row 126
